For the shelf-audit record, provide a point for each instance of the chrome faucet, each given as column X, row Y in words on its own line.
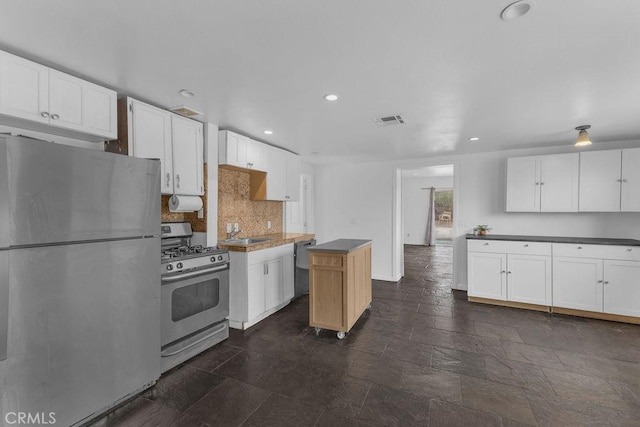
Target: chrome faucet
column 231, row 234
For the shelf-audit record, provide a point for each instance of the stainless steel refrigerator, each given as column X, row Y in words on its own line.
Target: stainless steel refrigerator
column 79, row 279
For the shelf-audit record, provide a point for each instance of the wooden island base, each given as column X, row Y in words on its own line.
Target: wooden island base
column 339, row 284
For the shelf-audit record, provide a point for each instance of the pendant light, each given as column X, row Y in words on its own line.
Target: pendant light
column 583, row 137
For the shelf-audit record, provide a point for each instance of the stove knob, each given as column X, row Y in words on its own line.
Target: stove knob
column 179, row 265
column 213, row 259
column 219, row 257
column 169, row 267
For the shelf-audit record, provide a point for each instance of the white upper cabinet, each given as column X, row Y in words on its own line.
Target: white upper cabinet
column 24, row 88
column 187, row 156
column 232, row 149
column 150, row 138
column 154, row 133
column 41, row 95
column 292, row 192
column 610, row 181
column 600, row 177
column 543, row 183
column 282, row 167
column 630, row 194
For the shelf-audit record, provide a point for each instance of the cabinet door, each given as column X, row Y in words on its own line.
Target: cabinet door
column 622, row 288
column 24, row 88
column 276, row 174
column 600, row 177
column 288, row 266
column 65, row 100
column 487, row 275
column 99, row 111
column 256, row 291
column 233, row 149
column 151, row 130
column 187, row 156
column 577, row 283
column 256, row 155
column 523, row 184
column 559, row 176
column 630, row 197
column 293, row 177
column 273, row 286
column 529, row 279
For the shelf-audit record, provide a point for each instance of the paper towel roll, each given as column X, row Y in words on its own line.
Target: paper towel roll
column 184, row 203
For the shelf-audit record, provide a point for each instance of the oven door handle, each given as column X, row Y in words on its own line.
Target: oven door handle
column 195, row 273
column 169, row 353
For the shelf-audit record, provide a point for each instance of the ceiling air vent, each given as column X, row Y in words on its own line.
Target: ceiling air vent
column 390, row 120
column 183, row 110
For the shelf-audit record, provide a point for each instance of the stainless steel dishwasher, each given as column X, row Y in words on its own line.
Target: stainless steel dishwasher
column 301, row 273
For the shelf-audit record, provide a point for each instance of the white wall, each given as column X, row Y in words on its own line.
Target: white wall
column 415, row 203
column 355, row 201
column 294, row 212
column 358, row 201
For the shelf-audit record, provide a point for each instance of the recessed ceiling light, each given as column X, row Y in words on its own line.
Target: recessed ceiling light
column 268, row 132
column 331, row 97
column 516, row 10
column 187, row 93
column 474, row 138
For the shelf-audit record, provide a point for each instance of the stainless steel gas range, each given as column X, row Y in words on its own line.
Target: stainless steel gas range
column 195, row 295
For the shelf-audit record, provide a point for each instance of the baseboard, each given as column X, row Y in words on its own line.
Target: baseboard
column 388, row 278
column 596, row 315
column 239, row 324
column 511, row 304
column 460, row 287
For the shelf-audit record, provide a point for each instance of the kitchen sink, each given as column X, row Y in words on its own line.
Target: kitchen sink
column 247, row 241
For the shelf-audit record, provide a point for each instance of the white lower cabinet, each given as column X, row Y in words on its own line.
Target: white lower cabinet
column 510, row 271
column 261, row 282
column 577, row 283
column 622, row 287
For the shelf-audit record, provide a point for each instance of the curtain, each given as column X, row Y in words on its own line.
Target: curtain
column 430, row 235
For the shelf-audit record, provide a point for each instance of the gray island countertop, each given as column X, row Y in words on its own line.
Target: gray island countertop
column 558, row 239
column 341, row 245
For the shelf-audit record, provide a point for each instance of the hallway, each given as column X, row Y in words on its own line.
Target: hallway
column 422, row 356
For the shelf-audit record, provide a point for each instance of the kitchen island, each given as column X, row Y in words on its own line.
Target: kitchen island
column 339, row 284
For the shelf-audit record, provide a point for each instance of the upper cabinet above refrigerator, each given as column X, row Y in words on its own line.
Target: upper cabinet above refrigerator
column 36, row 97
column 150, row 132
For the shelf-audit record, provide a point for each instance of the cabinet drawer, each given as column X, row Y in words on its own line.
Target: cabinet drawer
column 509, row 247
column 623, row 253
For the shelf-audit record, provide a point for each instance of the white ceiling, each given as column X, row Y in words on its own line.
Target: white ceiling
column 452, row 68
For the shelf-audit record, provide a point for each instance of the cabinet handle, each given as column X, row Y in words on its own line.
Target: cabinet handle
column 619, row 180
column 178, row 180
column 508, row 272
column 600, row 281
column 55, row 116
column 287, row 197
column 44, row 114
column 537, row 183
column 526, row 246
column 629, row 249
column 486, row 244
column 168, row 178
column 502, row 272
column 264, row 268
column 579, row 247
column 542, row 183
column 624, row 180
column 606, row 282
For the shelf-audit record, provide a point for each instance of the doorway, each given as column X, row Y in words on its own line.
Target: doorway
column 411, row 219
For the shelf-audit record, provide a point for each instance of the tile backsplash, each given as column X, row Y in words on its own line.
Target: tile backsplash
column 234, row 206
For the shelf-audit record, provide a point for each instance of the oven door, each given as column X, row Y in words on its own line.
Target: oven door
column 192, row 301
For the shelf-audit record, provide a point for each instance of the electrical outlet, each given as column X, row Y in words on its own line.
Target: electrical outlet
column 236, row 227
column 229, row 227
column 268, row 225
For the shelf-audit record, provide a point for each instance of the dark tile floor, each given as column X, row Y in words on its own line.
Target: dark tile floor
column 423, row 356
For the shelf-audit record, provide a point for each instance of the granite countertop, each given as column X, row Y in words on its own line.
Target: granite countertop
column 341, row 246
column 275, row 239
column 557, row 239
